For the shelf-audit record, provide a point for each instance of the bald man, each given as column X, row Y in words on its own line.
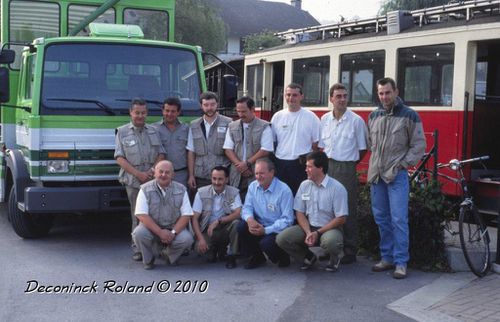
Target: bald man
column 164, row 211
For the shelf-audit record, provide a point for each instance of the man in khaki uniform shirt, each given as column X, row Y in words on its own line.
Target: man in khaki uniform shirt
column 137, row 149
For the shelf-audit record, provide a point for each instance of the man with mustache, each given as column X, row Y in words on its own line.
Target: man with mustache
column 137, row 149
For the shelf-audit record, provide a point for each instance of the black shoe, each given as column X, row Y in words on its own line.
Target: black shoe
column 221, row 253
column 284, row 261
column 309, row 261
column 230, row 262
column 348, row 259
column 333, row 264
column 256, row 261
column 137, row 257
column 212, row 255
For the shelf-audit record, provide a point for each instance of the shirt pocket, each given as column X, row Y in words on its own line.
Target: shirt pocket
column 130, row 145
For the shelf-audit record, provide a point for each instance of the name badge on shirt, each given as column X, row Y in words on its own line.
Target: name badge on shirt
column 271, row 207
column 130, row 142
column 306, row 197
column 221, row 129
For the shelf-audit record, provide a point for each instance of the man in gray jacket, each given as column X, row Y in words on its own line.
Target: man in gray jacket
column 397, row 141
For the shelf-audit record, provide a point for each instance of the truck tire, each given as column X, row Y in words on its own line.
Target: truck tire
column 24, row 224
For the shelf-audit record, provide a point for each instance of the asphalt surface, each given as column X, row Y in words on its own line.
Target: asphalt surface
column 93, row 251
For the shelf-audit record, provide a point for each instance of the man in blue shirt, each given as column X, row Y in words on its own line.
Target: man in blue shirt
column 268, row 210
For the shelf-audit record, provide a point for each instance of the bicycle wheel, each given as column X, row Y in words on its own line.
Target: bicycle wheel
column 475, row 240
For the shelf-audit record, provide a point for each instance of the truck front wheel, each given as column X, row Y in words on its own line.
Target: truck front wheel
column 27, row 225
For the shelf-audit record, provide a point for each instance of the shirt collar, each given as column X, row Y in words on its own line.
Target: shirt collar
column 215, row 194
column 271, row 187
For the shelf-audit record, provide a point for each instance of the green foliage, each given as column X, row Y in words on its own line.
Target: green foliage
column 391, row 5
column 427, row 214
column 256, row 42
column 197, row 23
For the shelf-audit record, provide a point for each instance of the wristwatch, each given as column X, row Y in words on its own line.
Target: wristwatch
column 173, row 232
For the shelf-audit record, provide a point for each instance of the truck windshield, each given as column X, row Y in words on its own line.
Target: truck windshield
column 102, row 79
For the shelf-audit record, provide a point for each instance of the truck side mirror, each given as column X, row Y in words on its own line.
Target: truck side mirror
column 229, row 91
column 4, row 85
column 7, row 56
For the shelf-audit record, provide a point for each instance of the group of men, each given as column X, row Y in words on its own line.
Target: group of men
column 268, row 189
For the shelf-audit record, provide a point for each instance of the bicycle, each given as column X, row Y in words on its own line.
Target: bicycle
column 474, row 236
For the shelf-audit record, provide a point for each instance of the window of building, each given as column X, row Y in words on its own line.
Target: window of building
column 425, row 75
column 313, row 74
column 359, row 73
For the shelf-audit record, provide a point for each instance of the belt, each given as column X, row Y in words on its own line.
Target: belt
column 181, row 169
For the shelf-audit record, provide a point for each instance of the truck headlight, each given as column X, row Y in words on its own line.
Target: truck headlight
column 58, row 166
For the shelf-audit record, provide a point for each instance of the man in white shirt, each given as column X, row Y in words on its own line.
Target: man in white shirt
column 247, row 140
column 296, row 132
column 164, row 211
column 343, row 139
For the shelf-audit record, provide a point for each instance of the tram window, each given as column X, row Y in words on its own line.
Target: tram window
column 313, row 75
column 359, row 73
column 425, row 74
column 481, row 78
column 255, row 77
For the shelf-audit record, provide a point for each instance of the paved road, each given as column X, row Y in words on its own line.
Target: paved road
column 84, row 250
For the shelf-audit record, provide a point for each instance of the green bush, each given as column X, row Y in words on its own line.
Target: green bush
column 427, row 214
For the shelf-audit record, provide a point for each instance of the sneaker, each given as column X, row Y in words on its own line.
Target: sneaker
column 256, row 261
column 399, row 272
column 333, row 264
column 137, row 257
column 348, row 259
column 382, row 266
column 309, row 261
column 150, row 265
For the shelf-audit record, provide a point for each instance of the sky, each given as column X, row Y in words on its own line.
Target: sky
column 326, row 11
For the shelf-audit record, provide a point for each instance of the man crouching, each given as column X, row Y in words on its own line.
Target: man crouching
column 164, row 211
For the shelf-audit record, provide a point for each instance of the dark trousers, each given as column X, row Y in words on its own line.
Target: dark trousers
column 291, row 172
column 254, row 245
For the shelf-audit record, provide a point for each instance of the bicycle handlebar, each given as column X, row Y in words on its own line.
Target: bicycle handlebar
column 455, row 164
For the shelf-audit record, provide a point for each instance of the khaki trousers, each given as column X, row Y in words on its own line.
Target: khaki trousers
column 291, row 240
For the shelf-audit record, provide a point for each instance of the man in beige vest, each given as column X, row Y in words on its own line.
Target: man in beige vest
column 216, row 216
column 137, row 149
column 247, row 140
column 164, row 212
column 205, row 141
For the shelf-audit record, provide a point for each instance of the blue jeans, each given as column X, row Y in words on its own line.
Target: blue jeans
column 390, row 209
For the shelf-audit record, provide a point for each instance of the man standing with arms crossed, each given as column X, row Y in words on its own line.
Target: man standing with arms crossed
column 296, row 132
column 397, row 141
column 343, row 139
column 247, row 140
column 205, row 142
column 137, row 149
column 174, row 135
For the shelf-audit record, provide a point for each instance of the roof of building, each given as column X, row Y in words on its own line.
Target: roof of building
column 245, row 17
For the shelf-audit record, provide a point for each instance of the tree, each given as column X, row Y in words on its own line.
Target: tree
column 391, row 5
column 197, row 23
column 256, row 42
